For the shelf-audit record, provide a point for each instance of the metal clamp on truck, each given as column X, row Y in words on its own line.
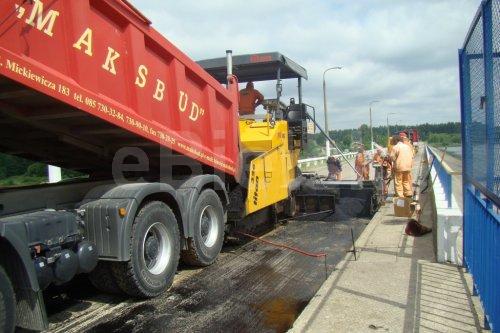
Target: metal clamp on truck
column 170, row 168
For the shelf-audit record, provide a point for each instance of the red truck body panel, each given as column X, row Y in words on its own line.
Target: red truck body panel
column 103, row 58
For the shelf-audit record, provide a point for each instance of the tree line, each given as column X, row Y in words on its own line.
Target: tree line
column 17, row 171
column 444, row 134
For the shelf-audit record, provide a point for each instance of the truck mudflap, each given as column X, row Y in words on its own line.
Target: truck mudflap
column 105, row 227
column 13, row 235
column 30, row 308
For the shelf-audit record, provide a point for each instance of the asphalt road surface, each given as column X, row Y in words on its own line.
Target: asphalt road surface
column 252, row 287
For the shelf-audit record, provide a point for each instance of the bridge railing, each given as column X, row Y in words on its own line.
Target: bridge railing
column 443, row 175
column 480, row 111
column 317, row 161
column 306, row 163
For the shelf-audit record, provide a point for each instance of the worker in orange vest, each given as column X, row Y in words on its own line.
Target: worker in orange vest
column 377, row 157
column 404, row 138
column 402, row 155
column 360, row 164
column 250, row 98
column 386, row 172
column 366, row 170
column 408, row 142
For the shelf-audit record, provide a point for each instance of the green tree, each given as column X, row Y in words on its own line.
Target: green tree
column 37, row 170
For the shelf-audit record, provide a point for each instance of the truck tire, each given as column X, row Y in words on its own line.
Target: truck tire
column 103, row 279
column 154, row 252
column 205, row 245
column 7, row 304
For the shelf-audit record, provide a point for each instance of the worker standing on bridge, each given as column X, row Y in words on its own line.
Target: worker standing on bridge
column 387, row 173
column 334, row 168
column 250, row 98
column 377, row 157
column 402, row 155
column 407, row 141
column 377, row 164
column 360, row 164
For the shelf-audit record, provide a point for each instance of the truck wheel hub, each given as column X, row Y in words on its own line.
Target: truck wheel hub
column 209, row 226
column 151, row 249
column 156, row 248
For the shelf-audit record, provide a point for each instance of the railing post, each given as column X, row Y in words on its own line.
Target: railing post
column 489, row 93
column 449, row 189
column 464, row 73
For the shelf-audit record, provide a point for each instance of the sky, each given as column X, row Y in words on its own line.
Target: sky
column 403, row 53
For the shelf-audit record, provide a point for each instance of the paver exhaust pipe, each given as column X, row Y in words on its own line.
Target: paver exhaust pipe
column 229, row 62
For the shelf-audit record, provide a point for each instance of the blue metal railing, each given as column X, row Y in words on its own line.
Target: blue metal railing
column 482, row 251
column 480, row 111
column 444, row 175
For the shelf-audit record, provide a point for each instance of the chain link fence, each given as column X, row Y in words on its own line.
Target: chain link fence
column 480, row 103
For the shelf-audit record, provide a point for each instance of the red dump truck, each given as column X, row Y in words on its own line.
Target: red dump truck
column 90, row 86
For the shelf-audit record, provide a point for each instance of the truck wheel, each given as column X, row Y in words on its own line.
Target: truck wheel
column 154, row 253
column 103, row 279
column 7, row 304
column 205, row 245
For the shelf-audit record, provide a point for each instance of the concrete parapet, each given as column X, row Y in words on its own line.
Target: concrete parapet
column 449, row 223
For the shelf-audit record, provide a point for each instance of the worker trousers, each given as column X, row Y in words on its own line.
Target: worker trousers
column 402, row 184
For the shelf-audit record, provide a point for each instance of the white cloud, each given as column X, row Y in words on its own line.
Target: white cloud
column 403, row 53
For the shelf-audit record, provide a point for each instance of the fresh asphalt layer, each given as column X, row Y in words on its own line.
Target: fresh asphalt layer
column 251, row 287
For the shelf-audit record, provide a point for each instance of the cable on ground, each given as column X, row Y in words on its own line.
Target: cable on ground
column 291, row 248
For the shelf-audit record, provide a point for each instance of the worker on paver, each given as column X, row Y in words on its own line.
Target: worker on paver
column 360, row 163
column 366, row 169
column 402, row 155
column 334, row 168
column 250, row 98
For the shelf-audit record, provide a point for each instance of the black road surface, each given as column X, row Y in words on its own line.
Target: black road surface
column 252, row 287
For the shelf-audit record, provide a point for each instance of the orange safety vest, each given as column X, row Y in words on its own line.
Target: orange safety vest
column 247, row 100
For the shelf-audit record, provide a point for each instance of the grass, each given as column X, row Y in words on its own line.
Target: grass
column 22, row 181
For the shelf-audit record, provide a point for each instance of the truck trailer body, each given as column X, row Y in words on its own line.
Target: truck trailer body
column 101, row 60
